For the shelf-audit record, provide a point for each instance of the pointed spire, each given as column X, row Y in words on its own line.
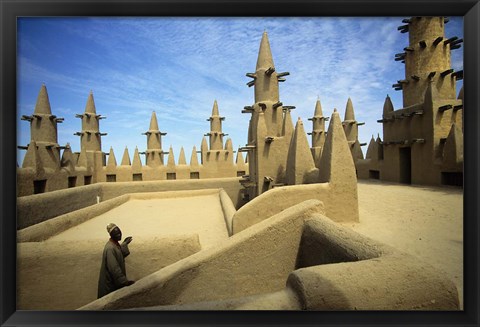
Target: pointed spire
column 194, row 157
column 153, row 122
column 431, row 93
column 204, row 145
column 265, row 59
column 337, row 162
column 239, row 161
column 349, row 113
column 126, row 158
column 68, row 161
column 181, row 159
column 112, row 162
column 453, row 149
column 171, row 158
column 32, row 158
column 215, row 109
column 229, row 145
column 357, row 151
column 299, row 159
column 43, row 103
column 82, row 159
column 372, row 149
column 137, row 163
column 287, row 128
column 460, row 94
column 318, row 109
column 90, row 107
column 387, row 106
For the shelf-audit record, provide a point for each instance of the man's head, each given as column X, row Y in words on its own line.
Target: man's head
column 114, row 231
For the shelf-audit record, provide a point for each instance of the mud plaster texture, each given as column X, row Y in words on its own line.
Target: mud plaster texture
column 423, row 221
column 426, row 222
column 61, row 273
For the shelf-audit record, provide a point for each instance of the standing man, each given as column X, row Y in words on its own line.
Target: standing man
column 112, row 272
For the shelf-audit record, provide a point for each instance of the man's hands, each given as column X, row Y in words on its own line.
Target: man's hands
column 127, row 240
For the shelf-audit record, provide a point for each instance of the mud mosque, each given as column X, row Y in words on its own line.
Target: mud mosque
column 277, row 197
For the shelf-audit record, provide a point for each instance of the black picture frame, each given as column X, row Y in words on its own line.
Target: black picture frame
column 10, row 10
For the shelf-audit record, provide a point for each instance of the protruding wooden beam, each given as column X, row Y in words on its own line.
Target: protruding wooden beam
column 288, row 107
column 269, row 71
column 403, row 28
column 251, row 83
column 283, row 74
column 247, row 148
column 415, row 78
column 458, row 107
column 438, row 40
column 269, row 139
column 445, row 107
column 458, row 75
column 430, row 76
column 422, row 44
column 281, row 79
column 276, row 105
column 446, row 72
column 450, row 40
column 409, row 49
column 406, row 20
column 252, row 75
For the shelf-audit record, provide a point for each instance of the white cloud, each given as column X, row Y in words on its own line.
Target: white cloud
column 179, row 66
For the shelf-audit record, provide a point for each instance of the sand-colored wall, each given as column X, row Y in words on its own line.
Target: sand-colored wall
column 34, row 209
column 51, row 227
column 231, row 186
column 41, row 207
column 46, row 229
column 49, row 279
column 343, row 270
column 339, row 203
column 256, row 261
column 334, row 268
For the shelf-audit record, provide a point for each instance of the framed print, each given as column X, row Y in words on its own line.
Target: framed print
column 239, row 163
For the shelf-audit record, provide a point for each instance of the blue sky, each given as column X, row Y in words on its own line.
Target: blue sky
column 177, row 67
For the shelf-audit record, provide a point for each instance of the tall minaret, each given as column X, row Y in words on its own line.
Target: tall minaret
column 427, row 59
column 154, row 153
column 90, row 136
column 318, row 132
column 43, row 131
column 350, row 125
column 215, row 134
column 267, row 145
